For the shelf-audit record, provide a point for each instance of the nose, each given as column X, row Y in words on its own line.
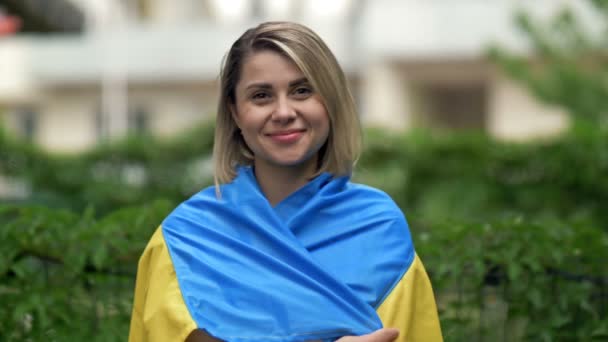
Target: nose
column 284, row 111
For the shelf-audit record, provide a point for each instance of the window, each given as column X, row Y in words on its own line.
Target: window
column 138, row 10
column 453, row 105
column 27, row 121
column 138, row 121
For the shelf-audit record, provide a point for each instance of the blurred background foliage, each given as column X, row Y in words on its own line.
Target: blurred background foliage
column 519, row 231
column 515, row 236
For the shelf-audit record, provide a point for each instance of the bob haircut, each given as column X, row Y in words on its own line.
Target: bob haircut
column 318, row 64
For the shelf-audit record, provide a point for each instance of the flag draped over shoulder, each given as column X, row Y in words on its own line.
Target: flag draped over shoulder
column 332, row 259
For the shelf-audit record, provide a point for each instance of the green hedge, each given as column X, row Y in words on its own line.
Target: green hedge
column 129, row 172
column 494, row 223
column 68, row 276
column 473, row 178
column 515, row 279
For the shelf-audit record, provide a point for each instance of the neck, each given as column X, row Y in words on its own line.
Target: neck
column 278, row 182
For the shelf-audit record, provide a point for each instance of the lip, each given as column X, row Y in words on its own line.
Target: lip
column 287, row 136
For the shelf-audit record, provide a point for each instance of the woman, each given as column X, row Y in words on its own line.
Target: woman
column 284, row 247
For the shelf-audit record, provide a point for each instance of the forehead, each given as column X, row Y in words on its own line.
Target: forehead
column 268, row 66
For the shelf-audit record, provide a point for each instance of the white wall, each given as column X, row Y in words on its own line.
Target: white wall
column 170, row 64
column 66, row 120
column 385, row 97
column 176, row 107
column 438, row 29
column 16, row 84
column 515, row 115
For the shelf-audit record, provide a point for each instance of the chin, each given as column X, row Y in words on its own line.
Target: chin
column 287, row 160
column 290, row 162
column 293, row 160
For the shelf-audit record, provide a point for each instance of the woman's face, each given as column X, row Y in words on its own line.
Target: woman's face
column 282, row 119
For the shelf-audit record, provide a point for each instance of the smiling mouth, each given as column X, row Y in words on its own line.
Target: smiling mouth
column 286, row 136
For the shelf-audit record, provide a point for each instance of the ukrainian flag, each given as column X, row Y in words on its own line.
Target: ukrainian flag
column 333, row 259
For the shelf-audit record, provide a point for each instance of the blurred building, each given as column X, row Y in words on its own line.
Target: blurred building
column 114, row 66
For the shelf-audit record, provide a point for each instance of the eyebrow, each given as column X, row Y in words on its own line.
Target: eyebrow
column 262, row 85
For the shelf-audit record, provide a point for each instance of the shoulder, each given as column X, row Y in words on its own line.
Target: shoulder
column 378, row 206
column 374, row 200
column 373, row 194
column 193, row 207
column 204, row 195
column 364, row 206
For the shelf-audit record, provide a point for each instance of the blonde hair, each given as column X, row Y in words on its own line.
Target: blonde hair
column 306, row 49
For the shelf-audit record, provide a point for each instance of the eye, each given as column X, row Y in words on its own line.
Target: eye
column 260, row 96
column 303, row 91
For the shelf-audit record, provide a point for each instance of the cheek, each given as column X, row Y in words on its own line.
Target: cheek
column 318, row 115
column 324, row 124
column 325, row 134
column 250, row 127
column 245, row 118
